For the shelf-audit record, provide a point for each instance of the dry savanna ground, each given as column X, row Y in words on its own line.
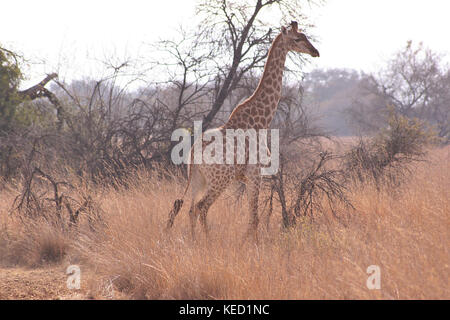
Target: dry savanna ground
column 404, row 231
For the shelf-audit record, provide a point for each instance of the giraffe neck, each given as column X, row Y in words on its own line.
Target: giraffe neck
column 258, row 110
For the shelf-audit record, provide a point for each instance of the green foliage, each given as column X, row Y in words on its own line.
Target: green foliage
column 384, row 157
column 403, row 137
column 10, row 77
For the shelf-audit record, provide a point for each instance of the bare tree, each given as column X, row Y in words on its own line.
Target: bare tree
column 237, row 32
column 308, row 176
column 185, row 94
column 415, row 83
column 102, row 128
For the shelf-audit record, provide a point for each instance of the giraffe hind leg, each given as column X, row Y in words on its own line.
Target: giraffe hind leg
column 197, row 187
column 173, row 213
column 253, row 186
column 193, row 219
column 200, row 209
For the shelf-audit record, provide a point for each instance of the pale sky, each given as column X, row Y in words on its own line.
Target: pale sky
column 71, row 36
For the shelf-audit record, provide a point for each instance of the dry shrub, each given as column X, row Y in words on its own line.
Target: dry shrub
column 32, row 243
column 387, row 156
column 40, row 221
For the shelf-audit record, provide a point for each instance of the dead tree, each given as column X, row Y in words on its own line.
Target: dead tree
column 39, row 91
column 237, row 33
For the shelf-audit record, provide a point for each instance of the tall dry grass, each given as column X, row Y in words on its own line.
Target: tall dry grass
column 30, row 242
column 404, row 231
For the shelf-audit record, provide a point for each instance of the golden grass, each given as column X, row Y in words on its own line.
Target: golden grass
column 404, row 231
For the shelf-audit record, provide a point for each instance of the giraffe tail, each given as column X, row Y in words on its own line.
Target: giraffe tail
column 179, row 202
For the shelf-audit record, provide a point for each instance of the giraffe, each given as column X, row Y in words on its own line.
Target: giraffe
column 256, row 112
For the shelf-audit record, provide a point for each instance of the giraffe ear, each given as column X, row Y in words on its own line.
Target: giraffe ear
column 284, row 30
column 294, row 25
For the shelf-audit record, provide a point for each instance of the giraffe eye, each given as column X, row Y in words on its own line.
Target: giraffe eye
column 297, row 40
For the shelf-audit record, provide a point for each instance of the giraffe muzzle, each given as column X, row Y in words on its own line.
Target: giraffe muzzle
column 315, row 53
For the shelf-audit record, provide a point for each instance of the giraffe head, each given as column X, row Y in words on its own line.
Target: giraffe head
column 297, row 41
